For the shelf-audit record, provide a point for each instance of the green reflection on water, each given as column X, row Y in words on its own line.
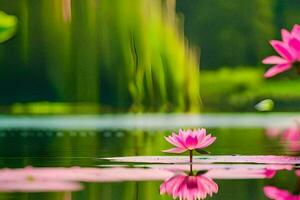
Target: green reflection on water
column 19, row 148
column 68, row 148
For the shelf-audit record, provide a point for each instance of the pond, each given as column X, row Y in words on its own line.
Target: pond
column 119, row 157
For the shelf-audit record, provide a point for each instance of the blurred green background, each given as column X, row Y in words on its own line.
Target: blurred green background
column 144, row 56
column 98, row 55
column 103, row 56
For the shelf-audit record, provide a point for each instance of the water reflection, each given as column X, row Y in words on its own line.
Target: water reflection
column 175, row 180
column 38, row 180
column 201, row 185
column 289, row 137
column 188, row 187
column 39, row 186
column 292, row 137
column 279, row 194
column 276, row 193
column 58, row 179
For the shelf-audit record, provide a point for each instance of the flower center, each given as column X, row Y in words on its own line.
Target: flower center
column 30, row 178
column 191, row 142
column 192, row 183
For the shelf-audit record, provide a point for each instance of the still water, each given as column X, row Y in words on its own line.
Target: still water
column 50, row 160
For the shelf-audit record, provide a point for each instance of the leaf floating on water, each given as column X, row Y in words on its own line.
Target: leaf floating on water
column 265, row 105
column 202, row 151
column 269, row 159
column 201, row 172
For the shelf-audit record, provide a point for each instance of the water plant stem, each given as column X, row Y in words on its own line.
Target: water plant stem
column 191, row 156
column 191, row 161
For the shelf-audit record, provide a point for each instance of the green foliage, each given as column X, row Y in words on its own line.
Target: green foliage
column 289, row 13
column 240, row 89
column 8, row 26
column 230, row 32
column 124, row 56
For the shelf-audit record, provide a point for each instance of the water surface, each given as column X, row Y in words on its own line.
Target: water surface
column 127, row 163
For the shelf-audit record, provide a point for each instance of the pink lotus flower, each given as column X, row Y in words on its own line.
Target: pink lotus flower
column 279, row 194
column 189, row 187
column 288, row 49
column 189, row 140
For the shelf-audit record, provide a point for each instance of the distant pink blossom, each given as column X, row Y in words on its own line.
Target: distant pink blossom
column 288, row 49
column 275, row 193
column 186, row 187
column 189, row 140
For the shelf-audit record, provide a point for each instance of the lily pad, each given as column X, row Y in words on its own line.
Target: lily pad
column 262, row 159
column 202, row 151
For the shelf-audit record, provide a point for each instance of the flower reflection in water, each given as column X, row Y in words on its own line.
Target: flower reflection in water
column 292, row 137
column 275, row 193
column 176, row 182
column 279, row 194
column 289, row 138
column 187, row 187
